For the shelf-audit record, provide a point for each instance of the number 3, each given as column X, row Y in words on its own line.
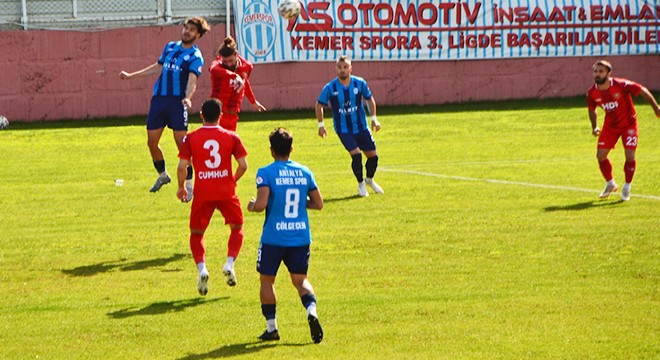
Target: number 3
column 214, row 161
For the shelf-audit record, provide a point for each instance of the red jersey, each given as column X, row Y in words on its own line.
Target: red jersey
column 616, row 101
column 223, row 81
column 211, row 149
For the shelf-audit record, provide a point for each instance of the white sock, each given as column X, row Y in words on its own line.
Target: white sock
column 611, row 182
column 163, row 174
column 201, row 266
column 189, row 182
column 311, row 310
column 271, row 325
column 230, row 261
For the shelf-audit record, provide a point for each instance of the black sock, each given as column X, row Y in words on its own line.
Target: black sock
column 308, row 300
column 160, row 166
column 268, row 310
column 371, row 165
column 356, row 164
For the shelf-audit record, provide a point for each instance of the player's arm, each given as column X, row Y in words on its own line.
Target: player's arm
column 371, row 104
column 249, row 94
column 241, row 168
column 190, row 90
column 319, row 118
column 315, row 200
column 259, row 204
column 648, row 96
column 593, row 118
column 152, row 69
column 181, row 173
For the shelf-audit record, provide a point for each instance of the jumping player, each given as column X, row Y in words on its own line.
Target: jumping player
column 229, row 83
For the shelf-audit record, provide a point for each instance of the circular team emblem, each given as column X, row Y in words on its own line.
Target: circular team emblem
column 186, row 57
column 355, row 91
column 259, row 31
column 260, row 180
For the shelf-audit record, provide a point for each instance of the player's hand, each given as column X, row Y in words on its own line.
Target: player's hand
column 375, row 125
column 595, row 131
column 182, row 194
column 322, row 132
column 187, row 103
column 258, row 107
column 250, row 205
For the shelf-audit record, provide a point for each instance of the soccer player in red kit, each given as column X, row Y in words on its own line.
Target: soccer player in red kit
column 614, row 96
column 210, row 149
column 229, row 83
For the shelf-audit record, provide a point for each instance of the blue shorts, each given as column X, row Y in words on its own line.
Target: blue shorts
column 270, row 257
column 363, row 140
column 167, row 111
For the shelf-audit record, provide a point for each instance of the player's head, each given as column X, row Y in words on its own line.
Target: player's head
column 193, row 29
column 343, row 67
column 228, row 53
column 602, row 71
column 211, row 110
column 281, row 142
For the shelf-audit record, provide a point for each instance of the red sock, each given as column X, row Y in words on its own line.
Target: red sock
column 606, row 169
column 197, row 247
column 235, row 242
column 629, row 169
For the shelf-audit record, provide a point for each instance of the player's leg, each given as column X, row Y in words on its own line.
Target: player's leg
column 180, row 129
column 297, row 261
column 350, row 144
column 233, row 214
column 200, row 217
column 606, row 142
column 630, row 148
column 368, row 145
column 229, row 121
column 268, row 262
column 156, row 122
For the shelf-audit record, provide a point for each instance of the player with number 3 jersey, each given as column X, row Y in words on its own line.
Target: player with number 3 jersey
column 210, row 150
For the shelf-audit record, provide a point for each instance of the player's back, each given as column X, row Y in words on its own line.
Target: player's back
column 212, row 148
column 287, row 222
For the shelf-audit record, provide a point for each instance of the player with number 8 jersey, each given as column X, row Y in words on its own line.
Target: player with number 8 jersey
column 210, row 149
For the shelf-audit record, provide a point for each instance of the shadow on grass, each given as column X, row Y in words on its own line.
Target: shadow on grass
column 237, row 350
column 164, row 307
column 351, row 197
column 583, row 205
column 122, row 265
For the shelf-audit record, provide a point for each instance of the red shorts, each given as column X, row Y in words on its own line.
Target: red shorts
column 609, row 136
column 229, row 121
column 202, row 211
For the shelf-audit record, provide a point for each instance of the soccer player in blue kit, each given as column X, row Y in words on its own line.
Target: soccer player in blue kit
column 344, row 94
column 179, row 65
column 285, row 189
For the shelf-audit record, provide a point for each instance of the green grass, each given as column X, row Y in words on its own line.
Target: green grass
column 489, row 243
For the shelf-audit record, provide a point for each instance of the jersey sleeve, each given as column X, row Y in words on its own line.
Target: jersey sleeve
column 239, row 149
column 262, row 178
column 161, row 59
column 312, row 181
column 249, row 94
column 185, row 151
column 197, row 64
column 364, row 88
column 632, row 87
column 324, row 96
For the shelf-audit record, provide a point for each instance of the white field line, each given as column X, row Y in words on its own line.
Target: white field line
column 506, row 182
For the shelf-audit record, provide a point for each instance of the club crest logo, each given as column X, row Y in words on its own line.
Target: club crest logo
column 258, row 28
column 631, row 132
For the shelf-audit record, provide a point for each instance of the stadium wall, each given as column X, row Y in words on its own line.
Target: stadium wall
column 54, row 75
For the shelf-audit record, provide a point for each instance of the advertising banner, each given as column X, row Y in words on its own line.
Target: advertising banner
column 446, row 30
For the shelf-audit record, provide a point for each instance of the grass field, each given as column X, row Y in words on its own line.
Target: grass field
column 489, row 243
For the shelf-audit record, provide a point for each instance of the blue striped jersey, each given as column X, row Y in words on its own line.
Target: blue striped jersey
column 286, row 223
column 346, row 102
column 178, row 63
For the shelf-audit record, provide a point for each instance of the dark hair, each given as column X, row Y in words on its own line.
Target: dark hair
column 211, row 109
column 280, row 141
column 603, row 63
column 228, row 47
column 200, row 23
